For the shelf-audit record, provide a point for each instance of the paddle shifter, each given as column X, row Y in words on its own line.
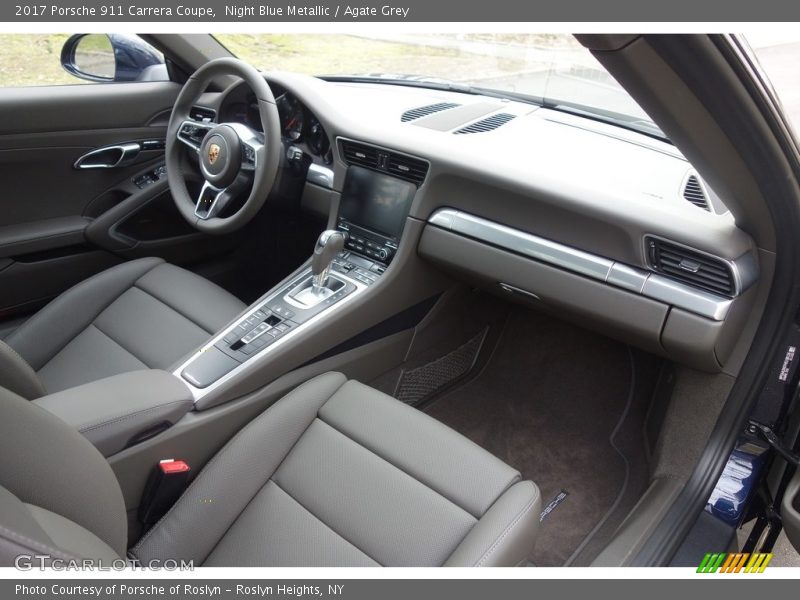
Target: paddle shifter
column 329, row 244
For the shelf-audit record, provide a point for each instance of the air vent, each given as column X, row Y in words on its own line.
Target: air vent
column 691, row 267
column 407, row 168
column 693, row 192
column 487, row 124
column 202, row 114
column 360, row 154
column 424, row 111
column 393, row 163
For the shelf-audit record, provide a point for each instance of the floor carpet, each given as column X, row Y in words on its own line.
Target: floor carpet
column 566, row 408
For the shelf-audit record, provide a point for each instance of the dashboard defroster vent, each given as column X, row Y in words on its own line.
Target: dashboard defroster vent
column 392, row 163
column 691, row 267
column 424, row 111
column 487, row 124
column 693, row 192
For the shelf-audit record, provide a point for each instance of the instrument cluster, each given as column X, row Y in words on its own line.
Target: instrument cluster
column 298, row 124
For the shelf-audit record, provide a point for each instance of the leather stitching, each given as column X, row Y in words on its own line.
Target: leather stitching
column 120, row 345
column 33, row 544
column 53, row 308
column 123, row 417
column 216, row 457
column 17, row 354
column 271, row 475
column 168, row 305
column 172, row 308
column 508, row 530
column 305, row 508
column 391, row 464
column 26, row 368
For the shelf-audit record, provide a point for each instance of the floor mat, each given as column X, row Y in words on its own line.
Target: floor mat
column 548, row 402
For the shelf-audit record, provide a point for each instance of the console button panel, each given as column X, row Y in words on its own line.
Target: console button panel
column 274, row 317
column 270, row 321
column 257, row 330
column 359, row 268
column 366, row 243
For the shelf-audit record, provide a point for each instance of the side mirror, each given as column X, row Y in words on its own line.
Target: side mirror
column 112, row 57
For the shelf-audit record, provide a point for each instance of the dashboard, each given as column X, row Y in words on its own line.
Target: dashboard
column 609, row 228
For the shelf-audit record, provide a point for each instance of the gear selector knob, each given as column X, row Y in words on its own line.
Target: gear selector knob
column 329, row 244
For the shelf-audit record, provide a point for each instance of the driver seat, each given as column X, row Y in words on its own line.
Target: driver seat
column 138, row 315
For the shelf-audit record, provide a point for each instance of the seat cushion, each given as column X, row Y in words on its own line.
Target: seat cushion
column 138, row 315
column 339, row 474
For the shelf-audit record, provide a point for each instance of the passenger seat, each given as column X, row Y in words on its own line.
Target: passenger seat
column 333, row 474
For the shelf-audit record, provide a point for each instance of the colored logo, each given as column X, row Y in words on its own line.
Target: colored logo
column 213, row 153
column 733, row 562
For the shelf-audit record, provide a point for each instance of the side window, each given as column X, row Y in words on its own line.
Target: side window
column 55, row 59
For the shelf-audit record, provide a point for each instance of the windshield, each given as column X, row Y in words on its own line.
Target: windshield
column 551, row 69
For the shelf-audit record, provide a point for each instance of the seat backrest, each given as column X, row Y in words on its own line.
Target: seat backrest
column 58, row 495
column 17, row 375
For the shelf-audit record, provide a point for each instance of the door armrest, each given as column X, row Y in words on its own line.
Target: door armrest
column 46, row 234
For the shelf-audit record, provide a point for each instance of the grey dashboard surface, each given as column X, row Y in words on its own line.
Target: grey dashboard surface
column 590, row 185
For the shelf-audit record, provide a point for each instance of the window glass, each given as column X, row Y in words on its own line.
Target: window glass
column 553, row 69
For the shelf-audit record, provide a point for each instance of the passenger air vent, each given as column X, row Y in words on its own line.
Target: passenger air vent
column 693, row 192
column 202, row 114
column 424, row 111
column 691, row 267
column 392, row 163
column 487, row 124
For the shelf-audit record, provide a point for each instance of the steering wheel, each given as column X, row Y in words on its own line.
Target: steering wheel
column 232, row 156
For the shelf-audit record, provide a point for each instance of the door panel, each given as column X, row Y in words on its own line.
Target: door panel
column 66, row 108
column 60, row 224
column 41, row 182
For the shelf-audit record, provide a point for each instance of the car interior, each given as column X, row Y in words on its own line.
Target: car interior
column 375, row 324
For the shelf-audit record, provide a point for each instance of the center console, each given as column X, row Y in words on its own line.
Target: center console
column 346, row 262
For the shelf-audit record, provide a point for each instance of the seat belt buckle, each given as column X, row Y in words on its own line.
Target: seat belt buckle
column 165, row 485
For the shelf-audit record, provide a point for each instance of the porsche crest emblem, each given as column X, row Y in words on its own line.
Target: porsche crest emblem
column 213, row 153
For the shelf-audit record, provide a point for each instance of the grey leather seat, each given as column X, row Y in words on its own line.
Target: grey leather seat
column 333, row 474
column 140, row 314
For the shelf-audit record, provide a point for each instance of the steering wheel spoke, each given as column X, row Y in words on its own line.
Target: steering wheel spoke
column 191, row 133
column 252, row 145
column 212, row 201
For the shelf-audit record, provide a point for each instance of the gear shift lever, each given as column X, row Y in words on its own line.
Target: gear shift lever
column 329, row 244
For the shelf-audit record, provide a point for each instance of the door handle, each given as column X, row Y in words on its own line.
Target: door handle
column 109, row 157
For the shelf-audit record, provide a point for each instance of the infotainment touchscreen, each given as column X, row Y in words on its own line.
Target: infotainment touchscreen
column 376, row 202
